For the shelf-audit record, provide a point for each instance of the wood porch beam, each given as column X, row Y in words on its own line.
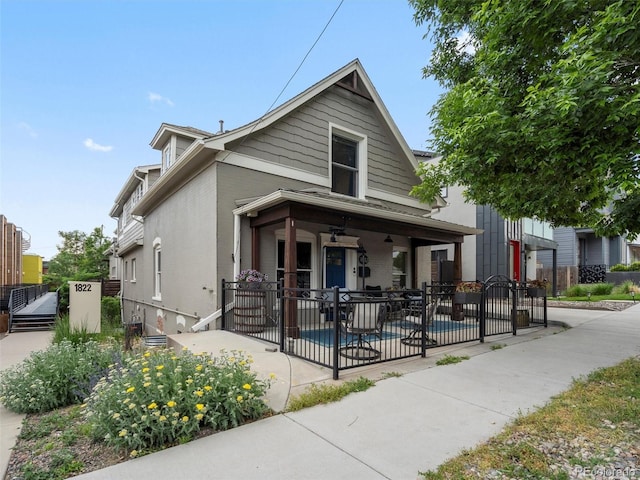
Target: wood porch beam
column 255, row 248
column 292, row 329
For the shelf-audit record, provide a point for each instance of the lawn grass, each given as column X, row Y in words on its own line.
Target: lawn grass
column 578, row 431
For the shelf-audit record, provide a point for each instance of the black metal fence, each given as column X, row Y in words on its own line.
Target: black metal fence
column 342, row 329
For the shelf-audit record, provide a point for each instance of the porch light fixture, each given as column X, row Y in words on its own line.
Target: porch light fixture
column 388, row 239
column 333, row 237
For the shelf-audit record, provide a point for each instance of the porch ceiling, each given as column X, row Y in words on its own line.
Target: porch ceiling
column 326, row 209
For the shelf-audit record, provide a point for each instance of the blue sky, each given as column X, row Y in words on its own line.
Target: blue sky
column 85, row 86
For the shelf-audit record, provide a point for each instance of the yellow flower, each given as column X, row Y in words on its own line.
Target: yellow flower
column 198, row 393
column 208, row 388
column 188, row 381
column 171, row 404
column 152, row 405
column 199, row 416
column 146, row 384
column 246, row 386
column 159, row 374
column 185, row 419
column 145, row 369
column 162, row 418
column 159, row 367
column 132, row 406
column 134, row 453
column 239, row 398
column 272, row 376
column 199, row 406
column 123, row 433
column 198, row 367
column 116, row 415
column 147, row 354
column 131, row 389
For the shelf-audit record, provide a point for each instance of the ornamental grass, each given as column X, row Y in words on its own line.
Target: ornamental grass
column 157, row 398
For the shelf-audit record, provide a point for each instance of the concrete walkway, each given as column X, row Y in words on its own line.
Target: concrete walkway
column 404, row 424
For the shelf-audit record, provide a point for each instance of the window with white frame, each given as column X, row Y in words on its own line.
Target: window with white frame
column 400, row 268
column 344, row 166
column 167, row 159
column 303, row 263
column 133, row 270
column 157, row 270
column 126, row 271
column 348, row 167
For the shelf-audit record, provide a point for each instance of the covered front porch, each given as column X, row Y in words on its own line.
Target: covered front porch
column 318, row 240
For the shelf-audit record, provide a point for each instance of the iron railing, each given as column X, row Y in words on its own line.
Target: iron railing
column 341, row 329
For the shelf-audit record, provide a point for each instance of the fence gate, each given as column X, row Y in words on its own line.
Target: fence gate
column 499, row 309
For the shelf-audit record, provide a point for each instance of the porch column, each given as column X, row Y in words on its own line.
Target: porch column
column 458, row 308
column 292, row 329
column 457, row 262
column 255, row 248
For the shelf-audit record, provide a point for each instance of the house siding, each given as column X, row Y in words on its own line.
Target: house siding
column 492, row 244
column 301, row 140
column 184, row 243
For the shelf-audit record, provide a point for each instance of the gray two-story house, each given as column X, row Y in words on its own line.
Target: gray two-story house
column 308, row 193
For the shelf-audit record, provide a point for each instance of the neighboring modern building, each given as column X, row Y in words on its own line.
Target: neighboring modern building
column 13, row 243
column 510, row 248
column 591, row 255
column 32, row 269
column 315, row 192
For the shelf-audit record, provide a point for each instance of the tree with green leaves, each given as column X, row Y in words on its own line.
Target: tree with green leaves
column 80, row 257
column 541, row 113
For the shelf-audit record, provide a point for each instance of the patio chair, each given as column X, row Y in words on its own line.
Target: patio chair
column 365, row 320
column 327, row 305
column 414, row 339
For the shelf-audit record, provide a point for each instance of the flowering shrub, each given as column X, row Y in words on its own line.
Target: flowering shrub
column 159, row 398
column 251, row 276
column 538, row 283
column 56, row 377
column 469, row 287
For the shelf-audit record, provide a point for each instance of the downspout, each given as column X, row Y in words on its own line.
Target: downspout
column 235, row 256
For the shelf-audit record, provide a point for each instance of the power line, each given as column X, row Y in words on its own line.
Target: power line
column 296, row 71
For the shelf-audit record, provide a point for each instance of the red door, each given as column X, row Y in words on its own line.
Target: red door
column 514, row 261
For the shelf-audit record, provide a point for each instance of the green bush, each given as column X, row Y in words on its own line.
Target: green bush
column 111, row 310
column 59, row 376
column 634, row 267
column 600, row 288
column 625, row 287
column 158, row 398
column 583, row 289
column 576, row 291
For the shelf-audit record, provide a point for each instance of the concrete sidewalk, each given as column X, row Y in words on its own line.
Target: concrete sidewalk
column 403, row 425
column 14, row 348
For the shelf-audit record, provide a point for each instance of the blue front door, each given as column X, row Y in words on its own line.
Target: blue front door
column 335, row 268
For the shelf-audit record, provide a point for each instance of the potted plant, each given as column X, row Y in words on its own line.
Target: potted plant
column 251, row 279
column 468, row 292
column 537, row 288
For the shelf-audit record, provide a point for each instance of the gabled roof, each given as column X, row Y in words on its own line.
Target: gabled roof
column 363, row 87
column 130, row 185
column 166, row 130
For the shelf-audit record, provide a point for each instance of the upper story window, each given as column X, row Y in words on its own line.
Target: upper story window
column 348, row 162
column 167, row 157
column 344, row 166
